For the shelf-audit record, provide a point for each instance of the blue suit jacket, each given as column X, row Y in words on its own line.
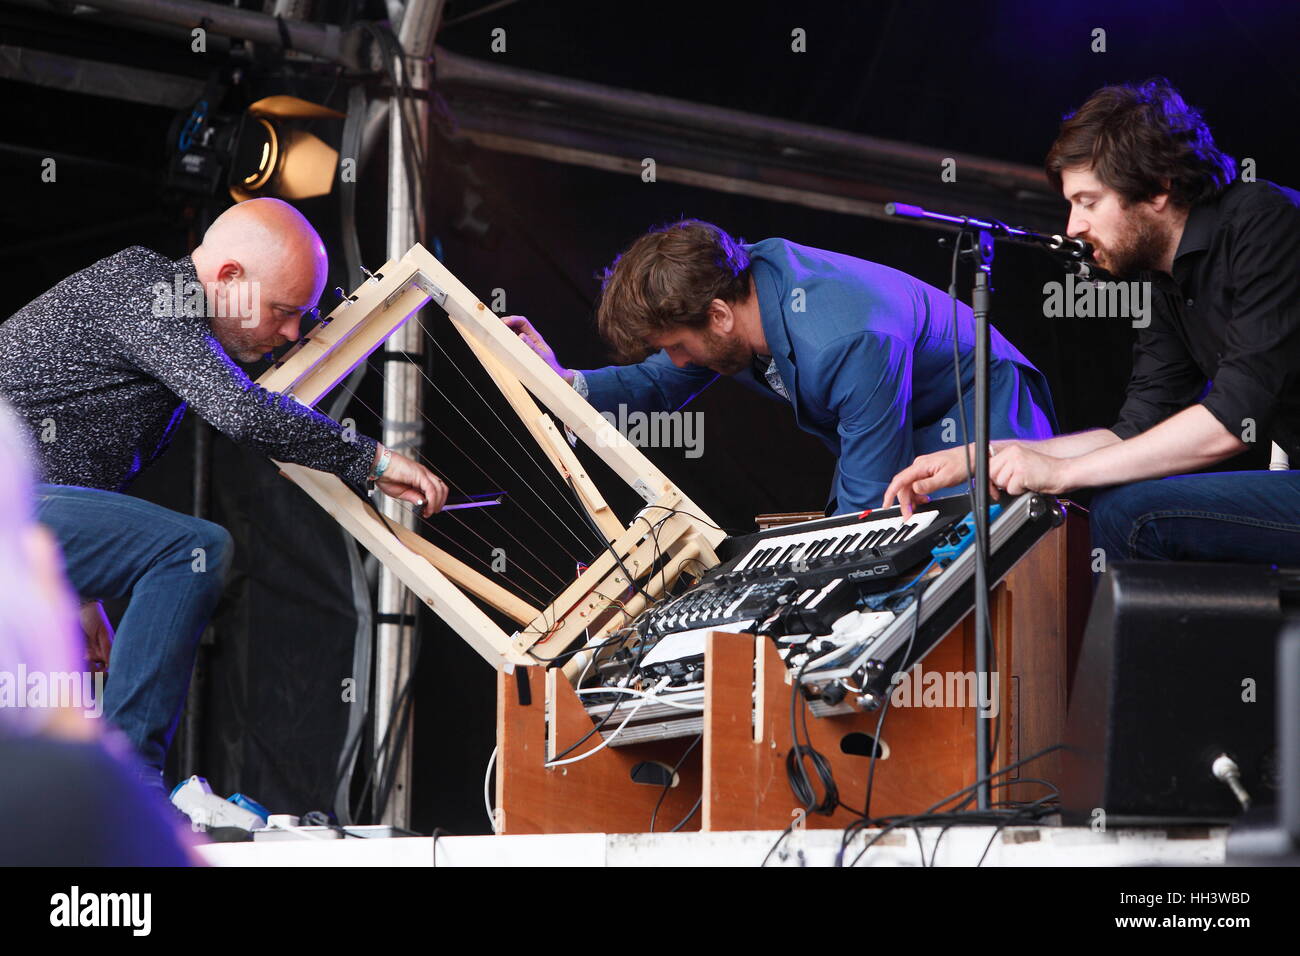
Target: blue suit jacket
column 866, row 353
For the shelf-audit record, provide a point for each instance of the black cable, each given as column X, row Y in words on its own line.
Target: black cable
column 438, row 832
column 608, row 714
column 1003, row 826
column 920, row 844
column 686, row 819
column 694, row 517
column 609, row 545
column 1003, row 783
column 919, row 586
column 796, row 772
column 564, row 656
column 784, row 833
column 672, row 775
column 851, row 830
column 592, row 732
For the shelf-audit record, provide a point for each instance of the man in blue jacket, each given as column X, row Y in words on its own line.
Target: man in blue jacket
column 862, row 353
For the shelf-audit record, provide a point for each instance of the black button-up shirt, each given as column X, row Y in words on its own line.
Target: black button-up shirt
column 1225, row 330
column 103, row 377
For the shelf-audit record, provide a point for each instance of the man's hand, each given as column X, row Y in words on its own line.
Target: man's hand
column 533, row 339
column 99, row 635
column 409, row 481
column 941, row 469
column 1018, row 469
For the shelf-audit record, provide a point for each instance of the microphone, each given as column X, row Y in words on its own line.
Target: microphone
column 1071, row 245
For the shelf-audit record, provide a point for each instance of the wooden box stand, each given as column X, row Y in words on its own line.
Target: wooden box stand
column 739, row 769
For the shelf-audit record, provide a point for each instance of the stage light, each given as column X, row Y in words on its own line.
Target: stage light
column 261, row 152
column 274, row 158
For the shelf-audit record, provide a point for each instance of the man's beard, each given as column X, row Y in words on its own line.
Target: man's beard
column 241, row 345
column 1140, row 247
column 727, row 356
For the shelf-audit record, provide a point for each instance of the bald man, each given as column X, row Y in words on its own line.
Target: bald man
column 102, row 368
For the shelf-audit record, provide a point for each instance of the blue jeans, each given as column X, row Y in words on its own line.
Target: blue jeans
column 1240, row 517
column 173, row 567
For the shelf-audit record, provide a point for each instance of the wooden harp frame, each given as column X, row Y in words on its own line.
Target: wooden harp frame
column 670, row 525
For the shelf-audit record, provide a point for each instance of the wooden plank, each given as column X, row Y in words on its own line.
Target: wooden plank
column 735, row 770
column 593, row 795
column 465, row 577
column 351, row 331
column 426, row 581
column 354, row 329
column 544, row 432
column 603, row 581
column 553, row 392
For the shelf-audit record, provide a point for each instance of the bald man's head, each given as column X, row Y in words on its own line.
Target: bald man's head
column 262, row 265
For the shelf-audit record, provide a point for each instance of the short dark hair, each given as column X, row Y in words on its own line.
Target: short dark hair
column 667, row 279
column 1142, row 141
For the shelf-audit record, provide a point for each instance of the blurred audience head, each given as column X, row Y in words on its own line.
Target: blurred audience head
column 39, row 632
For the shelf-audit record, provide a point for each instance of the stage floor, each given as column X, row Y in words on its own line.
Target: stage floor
column 956, row 846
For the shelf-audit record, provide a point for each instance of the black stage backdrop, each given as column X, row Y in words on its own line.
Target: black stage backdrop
column 993, row 84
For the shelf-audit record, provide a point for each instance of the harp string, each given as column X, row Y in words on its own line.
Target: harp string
column 544, row 466
column 543, row 602
column 581, row 543
column 442, row 532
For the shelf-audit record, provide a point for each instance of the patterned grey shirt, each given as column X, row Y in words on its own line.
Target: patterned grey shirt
column 102, row 379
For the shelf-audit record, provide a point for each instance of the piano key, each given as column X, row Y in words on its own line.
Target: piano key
column 871, row 537
column 869, row 532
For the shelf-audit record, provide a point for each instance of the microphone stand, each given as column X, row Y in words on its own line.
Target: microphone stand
column 979, row 250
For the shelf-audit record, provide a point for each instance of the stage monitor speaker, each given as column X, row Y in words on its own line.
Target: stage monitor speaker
column 1177, row 668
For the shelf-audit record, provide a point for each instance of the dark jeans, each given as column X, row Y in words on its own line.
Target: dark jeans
column 173, row 567
column 1241, row 517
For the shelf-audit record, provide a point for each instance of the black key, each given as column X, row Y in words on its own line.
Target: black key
column 872, row 538
column 864, row 543
column 885, row 539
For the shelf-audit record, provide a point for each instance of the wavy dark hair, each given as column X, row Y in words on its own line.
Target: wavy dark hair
column 667, row 279
column 1142, row 141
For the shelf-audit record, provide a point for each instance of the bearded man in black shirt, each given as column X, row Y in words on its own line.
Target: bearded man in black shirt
column 1216, row 369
